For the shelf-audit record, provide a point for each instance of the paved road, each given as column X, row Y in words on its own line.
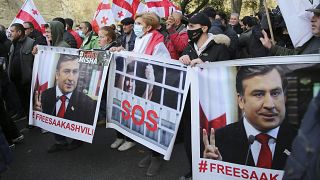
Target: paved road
column 91, row 161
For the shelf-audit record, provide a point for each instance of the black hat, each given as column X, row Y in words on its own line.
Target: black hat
column 200, row 18
column 315, row 10
column 127, row 21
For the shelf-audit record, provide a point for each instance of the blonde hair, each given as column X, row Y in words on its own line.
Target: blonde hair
column 150, row 18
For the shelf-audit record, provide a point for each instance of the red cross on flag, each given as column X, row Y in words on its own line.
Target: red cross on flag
column 123, row 9
column 29, row 12
column 103, row 16
column 162, row 7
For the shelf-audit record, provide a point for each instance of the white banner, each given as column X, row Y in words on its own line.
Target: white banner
column 66, row 90
column 233, row 102
column 298, row 20
column 146, row 99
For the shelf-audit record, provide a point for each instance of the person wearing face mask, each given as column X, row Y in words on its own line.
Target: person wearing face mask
column 204, row 46
column 90, row 40
column 149, row 41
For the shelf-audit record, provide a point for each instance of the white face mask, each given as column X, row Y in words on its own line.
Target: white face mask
column 138, row 30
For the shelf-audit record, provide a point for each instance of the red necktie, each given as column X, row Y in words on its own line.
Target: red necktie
column 62, row 108
column 265, row 155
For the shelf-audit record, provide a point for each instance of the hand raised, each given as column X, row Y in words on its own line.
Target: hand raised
column 37, row 101
column 210, row 149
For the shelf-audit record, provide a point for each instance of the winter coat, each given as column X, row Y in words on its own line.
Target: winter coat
column 310, row 47
column 90, row 42
column 25, row 57
column 38, row 37
column 216, row 50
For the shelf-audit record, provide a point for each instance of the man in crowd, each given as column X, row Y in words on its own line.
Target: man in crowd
column 177, row 38
column 245, row 37
column 90, row 40
column 128, row 38
column 69, row 25
column 234, row 23
column 261, row 97
column 34, row 34
column 21, row 63
column 310, row 47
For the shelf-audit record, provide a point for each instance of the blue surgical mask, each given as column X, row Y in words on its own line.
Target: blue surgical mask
column 81, row 34
column 138, row 30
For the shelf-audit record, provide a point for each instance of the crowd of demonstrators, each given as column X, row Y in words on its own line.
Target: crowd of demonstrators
column 208, row 36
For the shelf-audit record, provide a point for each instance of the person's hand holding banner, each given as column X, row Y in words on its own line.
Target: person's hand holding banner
column 185, row 59
column 196, row 61
column 120, row 48
column 37, row 99
column 210, row 149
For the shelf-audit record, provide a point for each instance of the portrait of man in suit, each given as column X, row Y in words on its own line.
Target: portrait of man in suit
column 64, row 100
column 261, row 137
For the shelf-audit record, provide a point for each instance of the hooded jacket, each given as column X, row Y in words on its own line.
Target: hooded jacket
column 215, row 50
column 57, row 30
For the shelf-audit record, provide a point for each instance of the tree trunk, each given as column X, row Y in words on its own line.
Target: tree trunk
column 261, row 6
column 203, row 3
column 236, row 6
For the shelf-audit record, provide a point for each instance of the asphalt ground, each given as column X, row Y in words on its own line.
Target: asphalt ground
column 90, row 161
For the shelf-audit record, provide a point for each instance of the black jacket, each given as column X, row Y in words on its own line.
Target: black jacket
column 38, row 37
column 67, row 37
column 213, row 52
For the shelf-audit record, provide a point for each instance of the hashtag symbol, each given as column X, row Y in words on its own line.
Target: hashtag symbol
column 203, row 166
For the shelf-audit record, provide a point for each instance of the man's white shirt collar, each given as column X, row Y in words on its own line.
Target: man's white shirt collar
column 59, row 93
column 250, row 130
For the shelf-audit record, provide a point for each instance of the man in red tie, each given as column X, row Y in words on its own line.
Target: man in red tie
column 66, row 101
column 261, row 138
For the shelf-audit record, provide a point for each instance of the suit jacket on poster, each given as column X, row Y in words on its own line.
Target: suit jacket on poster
column 81, row 108
column 233, row 144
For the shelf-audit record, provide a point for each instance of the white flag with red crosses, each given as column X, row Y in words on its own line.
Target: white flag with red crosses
column 29, row 12
column 163, row 8
column 103, row 16
column 123, row 9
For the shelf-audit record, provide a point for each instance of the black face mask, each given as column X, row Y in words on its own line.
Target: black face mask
column 194, row 35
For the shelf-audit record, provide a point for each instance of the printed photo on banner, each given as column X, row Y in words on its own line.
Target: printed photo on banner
column 246, row 116
column 146, row 99
column 67, row 87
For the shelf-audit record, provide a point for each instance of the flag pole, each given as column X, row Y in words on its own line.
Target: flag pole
column 269, row 21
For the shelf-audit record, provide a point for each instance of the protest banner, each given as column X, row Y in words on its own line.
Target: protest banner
column 146, row 99
column 245, row 114
column 66, row 90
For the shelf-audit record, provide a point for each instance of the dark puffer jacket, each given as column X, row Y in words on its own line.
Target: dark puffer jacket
column 216, row 50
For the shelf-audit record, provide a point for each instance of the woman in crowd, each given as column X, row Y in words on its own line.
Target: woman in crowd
column 149, row 41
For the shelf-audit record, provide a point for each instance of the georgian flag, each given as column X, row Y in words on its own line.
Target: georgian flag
column 163, row 8
column 298, row 19
column 103, row 16
column 122, row 9
column 29, row 12
column 43, row 80
column 215, row 96
column 139, row 7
